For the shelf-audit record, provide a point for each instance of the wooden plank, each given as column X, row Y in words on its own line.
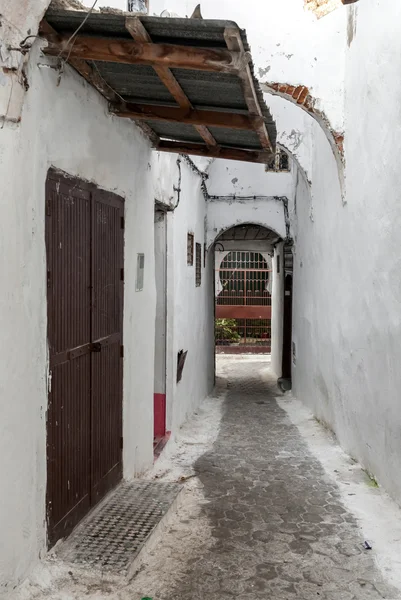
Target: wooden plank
column 206, row 136
column 224, row 311
column 211, row 118
column 140, row 34
column 254, row 156
column 234, row 43
column 95, row 79
column 139, row 53
column 87, row 71
column 137, row 29
column 173, row 86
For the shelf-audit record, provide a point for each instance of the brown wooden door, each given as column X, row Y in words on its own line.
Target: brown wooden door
column 106, row 317
column 84, row 244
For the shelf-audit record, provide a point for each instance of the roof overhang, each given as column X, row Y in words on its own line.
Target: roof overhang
column 188, row 83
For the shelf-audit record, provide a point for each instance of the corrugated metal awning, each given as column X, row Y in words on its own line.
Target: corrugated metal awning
column 188, row 83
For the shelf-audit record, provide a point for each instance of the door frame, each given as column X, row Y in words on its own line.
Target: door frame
column 160, row 387
column 287, row 313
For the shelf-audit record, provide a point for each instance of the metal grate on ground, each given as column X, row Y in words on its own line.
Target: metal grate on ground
column 114, row 534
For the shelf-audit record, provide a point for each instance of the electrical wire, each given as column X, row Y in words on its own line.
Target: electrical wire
column 77, row 30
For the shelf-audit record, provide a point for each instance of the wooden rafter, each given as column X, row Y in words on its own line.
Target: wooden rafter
column 234, row 43
column 83, row 68
column 203, row 150
column 94, row 78
column 140, row 34
column 129, row 52
column 211, row 118
column 164, row 57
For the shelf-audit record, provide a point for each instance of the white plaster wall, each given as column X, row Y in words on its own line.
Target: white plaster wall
column 17, row 21
column 67, row 126
column 240, row 179
column 223, row 214
column 192, row 307
column 347, row 324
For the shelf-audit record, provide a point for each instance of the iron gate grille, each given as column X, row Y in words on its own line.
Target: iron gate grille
column 243, row 303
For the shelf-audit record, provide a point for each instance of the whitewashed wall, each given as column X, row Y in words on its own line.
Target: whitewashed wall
column 193, row 327
column 348, row 309
column 18, row 20
column 223, row 214
column 241, row 179
column 66, row 126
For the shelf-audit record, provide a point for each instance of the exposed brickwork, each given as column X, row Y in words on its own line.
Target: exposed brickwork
column 324, row 7
column 300, row 95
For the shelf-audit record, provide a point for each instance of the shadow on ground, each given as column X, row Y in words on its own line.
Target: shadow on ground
column 279, row 528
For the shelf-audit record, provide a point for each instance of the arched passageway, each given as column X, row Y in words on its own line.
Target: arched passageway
column 252, row 310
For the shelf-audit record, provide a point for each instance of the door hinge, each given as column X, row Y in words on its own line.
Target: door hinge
column 49, row 278
column 121, row 442
column 122, row 351
column 122, row 222
column 48, row 209
column 122, row 274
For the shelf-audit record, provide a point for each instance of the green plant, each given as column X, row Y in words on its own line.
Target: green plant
column 226, row 329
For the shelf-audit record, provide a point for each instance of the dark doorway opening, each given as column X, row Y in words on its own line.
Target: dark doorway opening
column 287, row 315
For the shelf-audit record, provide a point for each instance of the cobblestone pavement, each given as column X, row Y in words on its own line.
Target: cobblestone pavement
column 279, row 527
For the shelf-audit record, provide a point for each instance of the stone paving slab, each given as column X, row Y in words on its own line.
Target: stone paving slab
column 114, row 534
column 280, row 530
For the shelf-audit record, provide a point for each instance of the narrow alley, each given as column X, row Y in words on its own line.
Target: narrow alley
column 200, row 300
column 259, row 515
column 280, row 529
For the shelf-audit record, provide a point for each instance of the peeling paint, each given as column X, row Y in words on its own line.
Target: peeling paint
column 296, row 137
column 351, row 24
column 300, row 95
column 321, row 8
column 263, row 72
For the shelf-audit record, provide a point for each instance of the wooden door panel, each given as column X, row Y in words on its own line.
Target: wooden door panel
column 68, row 213
column 107, row 310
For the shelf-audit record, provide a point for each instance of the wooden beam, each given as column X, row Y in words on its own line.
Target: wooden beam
column 172, row 56
column 95, row 79
column 87, row 71
column 148, row 131
column 211, row 118
column 139, row 33
column 203, row 150
column 207, row 136
column 234, row 43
